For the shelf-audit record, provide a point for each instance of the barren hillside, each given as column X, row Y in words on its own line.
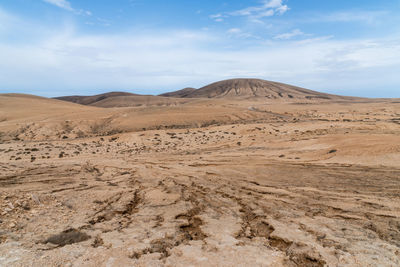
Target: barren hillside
column 90, row 100
column 138, row 101
column 180, row 93
column 246, row 88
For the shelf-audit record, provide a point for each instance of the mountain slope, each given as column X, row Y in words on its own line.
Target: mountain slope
column 29, row 107
column 180, row 93
column 89, row 100
column 227, row 89
column 139, row 100
column 248, row 88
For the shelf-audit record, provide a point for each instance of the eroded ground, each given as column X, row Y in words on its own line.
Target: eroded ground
column 301, row 187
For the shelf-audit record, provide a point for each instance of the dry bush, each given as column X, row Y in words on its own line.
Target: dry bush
column 67, row 127
column 103, row 128
column 80, row 134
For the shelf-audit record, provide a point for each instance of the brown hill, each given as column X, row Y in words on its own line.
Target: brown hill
column 27, row 117
column 180, row 93
column 122, row 99
column 90, row 100
column 22, row 108
column 248, row 88
column 234, row 88
column 138, row 101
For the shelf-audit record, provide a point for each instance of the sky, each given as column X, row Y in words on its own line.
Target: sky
column 67, row 47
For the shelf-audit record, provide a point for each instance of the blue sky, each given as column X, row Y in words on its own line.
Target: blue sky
column 63, row 47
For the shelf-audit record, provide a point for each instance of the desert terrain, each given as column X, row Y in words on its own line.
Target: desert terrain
column 238, row 173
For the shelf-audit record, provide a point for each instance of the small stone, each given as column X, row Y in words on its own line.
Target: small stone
column 36, row 199
column 25, row 205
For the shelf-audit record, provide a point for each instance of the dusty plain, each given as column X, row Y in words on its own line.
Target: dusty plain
column 200, row 182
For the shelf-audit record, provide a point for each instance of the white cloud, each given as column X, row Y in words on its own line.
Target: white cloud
column 217, row 17
column 282, row 9
column 60, row 3
column 64, row 4
column 239, row 33
column 234, row 31
column 273, row 3
column 267, row 9
column 370, row 17
column 289, row 35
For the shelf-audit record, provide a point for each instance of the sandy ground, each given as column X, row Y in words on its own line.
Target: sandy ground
column 243, row 183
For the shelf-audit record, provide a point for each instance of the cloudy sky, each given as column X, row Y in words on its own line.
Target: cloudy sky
column 64, row 47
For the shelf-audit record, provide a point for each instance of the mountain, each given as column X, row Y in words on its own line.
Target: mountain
column 227, row 89
column 138, row 101
column 90, row 100
column 180, row 93
column 122, row 99
column 248, row 88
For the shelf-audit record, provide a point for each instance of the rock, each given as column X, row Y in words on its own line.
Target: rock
column 25, row 205
column 36, row 199
column 34, row 211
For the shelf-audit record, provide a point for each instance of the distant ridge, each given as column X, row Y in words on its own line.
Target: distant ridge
column 227, row 89
column 139, row 100
column 123, row 99
column 89, row 100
